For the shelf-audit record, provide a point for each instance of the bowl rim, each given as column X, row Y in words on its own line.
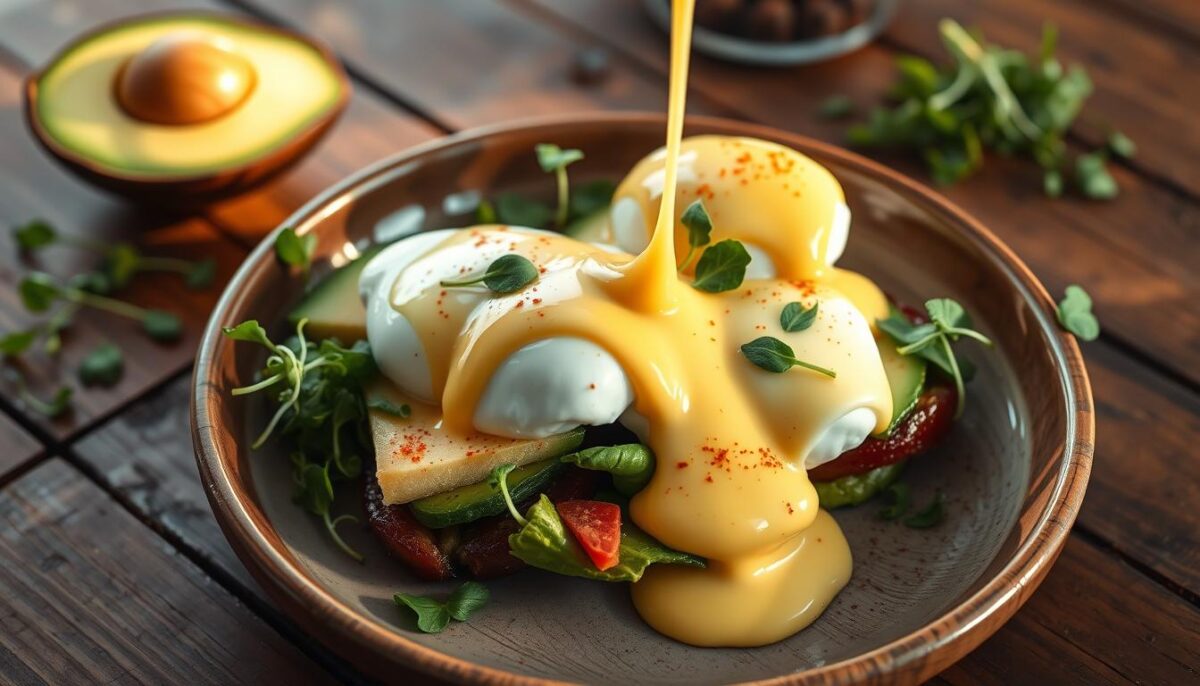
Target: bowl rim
column 30, row 94
column 919, row 654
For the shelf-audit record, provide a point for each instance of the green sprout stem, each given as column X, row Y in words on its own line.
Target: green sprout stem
column 100, row 302
column 958, row 380
column 687, row 259
column 165, row 264
column 971, row 55
column 816, row 368
column 332, row 524
column 564, row 205
column 456, row 284
column 512, row 508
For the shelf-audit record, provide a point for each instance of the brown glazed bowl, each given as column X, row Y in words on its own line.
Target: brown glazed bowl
column 189, row 189
column 1014, row 469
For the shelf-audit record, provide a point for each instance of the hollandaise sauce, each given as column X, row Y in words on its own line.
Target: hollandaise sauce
column 730, row 438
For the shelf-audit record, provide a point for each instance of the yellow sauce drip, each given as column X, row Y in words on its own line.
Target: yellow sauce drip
column 729, row 438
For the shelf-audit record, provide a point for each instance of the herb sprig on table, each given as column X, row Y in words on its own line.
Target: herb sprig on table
column 433, row 616
column 320, row 411
column 991, row 98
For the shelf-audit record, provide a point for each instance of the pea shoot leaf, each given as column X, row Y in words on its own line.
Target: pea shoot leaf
column 294, row 250
column 773, row 355
column 551, row 157
column 722, row 267
column 932, row 514
column 389, row 407
column 102, row 366
column 506, row 274
column 1075, row 314
column 795, row 317
column 34, row 234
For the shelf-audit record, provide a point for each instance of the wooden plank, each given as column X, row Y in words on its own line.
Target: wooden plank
column 1169, row 15
column 17, row 447
column 1136, row 254
column 1038, row 646
column 464, row 62
column 90, row 595
column 1145, row 84
column 1094, row 620
column 369, row 130
column 37, row 188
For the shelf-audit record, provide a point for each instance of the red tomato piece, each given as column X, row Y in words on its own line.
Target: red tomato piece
column 924, row 426
column 597, row 527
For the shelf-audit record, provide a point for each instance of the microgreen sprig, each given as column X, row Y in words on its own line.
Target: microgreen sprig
column 506, row 274
column 39, row 291
column 433, row 616
column 498, row 479
column 294, row 250
column 699, row 227
column 1075, row 314
column 773, row 355
column 552, row 158
column 948, row 322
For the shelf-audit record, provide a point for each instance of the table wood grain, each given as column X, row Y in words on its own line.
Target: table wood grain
column 1121, row 605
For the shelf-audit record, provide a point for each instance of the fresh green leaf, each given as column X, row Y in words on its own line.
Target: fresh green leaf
column 466, row 600
column 591, row 197
column 162, row 326
column 121, row 263
column 315, row 493
column 1052, row 183
column 34, row 234
column 1075, row 314
column 17, row 342
column 294, row 250
column 387, row 406
column 1091, row 173
column 544, row 542
column 945, row 312
column 898, row 499
column 773, row 355
column 837, row 107
column 1122, row 145
column 201, row 274
column 930, row 516
column 516, row 210
column 432, row 615
column 249, row 331
column 58, row 405
column 932, row 341
column 631, row 465
column 102, row 366
column 698, row 223
column 507, row 274
column 722, row 267
column 485, row 213
column 38, row 291
column 551, row 157
column 795, row 317
column 97, row 283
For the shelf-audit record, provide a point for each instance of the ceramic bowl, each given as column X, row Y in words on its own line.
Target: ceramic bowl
column 1014, row 468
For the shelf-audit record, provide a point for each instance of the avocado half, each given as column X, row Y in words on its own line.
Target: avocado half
column 184, row 107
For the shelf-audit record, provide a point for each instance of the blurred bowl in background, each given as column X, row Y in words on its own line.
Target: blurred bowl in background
column 781, row 32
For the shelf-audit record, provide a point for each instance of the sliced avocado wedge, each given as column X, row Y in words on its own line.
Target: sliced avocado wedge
column 905, row 375
column 418, row 456
column 468, row 503
column 332, row 307
column 856, row 489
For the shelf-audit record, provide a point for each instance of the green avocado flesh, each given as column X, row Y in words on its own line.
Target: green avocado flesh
column 295, row 89
column 333, row 308
column 856, row 489
column 468, row 503
column 905, row 375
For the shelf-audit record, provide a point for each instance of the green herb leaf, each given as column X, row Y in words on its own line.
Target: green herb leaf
column 432, row 615
column 837, row 107
column 773, row 355
column 34, row 234
column 294, row 250
column 1075, row 314
column 249, row 331
column 201, row 274
column 103, row 366
column 516, row 210
column 722, row 267
column 466, row 599
column 550, row 157
column 795, row 317
column 121, row 263
column 1121, row 145
column 698, row 223
column 507, row 274
column 932, row 341
column 946, row 313
column 17, row 342
column 1052, row 183
column 631, row 465
column 898, row 499
column 38, row 291
column 591, row 197
column 315, row 493
column 1091, row 173
column 57, row 406
column 162, row 326
column 485, row 213
column 389, row 407
column 930, row 516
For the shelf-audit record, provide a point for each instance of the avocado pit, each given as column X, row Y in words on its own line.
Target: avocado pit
column 183, row 79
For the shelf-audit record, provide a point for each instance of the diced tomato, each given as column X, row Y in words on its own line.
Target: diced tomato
column 924, row 426
column 597, row 527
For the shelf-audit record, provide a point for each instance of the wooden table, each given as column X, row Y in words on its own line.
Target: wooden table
column 111, row 565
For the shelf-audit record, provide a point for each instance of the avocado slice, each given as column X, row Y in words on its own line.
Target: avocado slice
column 332, row 307
column 468, row 503
column 906, row 377
column 857, row 489
column 418, row 456
column 185, row 102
